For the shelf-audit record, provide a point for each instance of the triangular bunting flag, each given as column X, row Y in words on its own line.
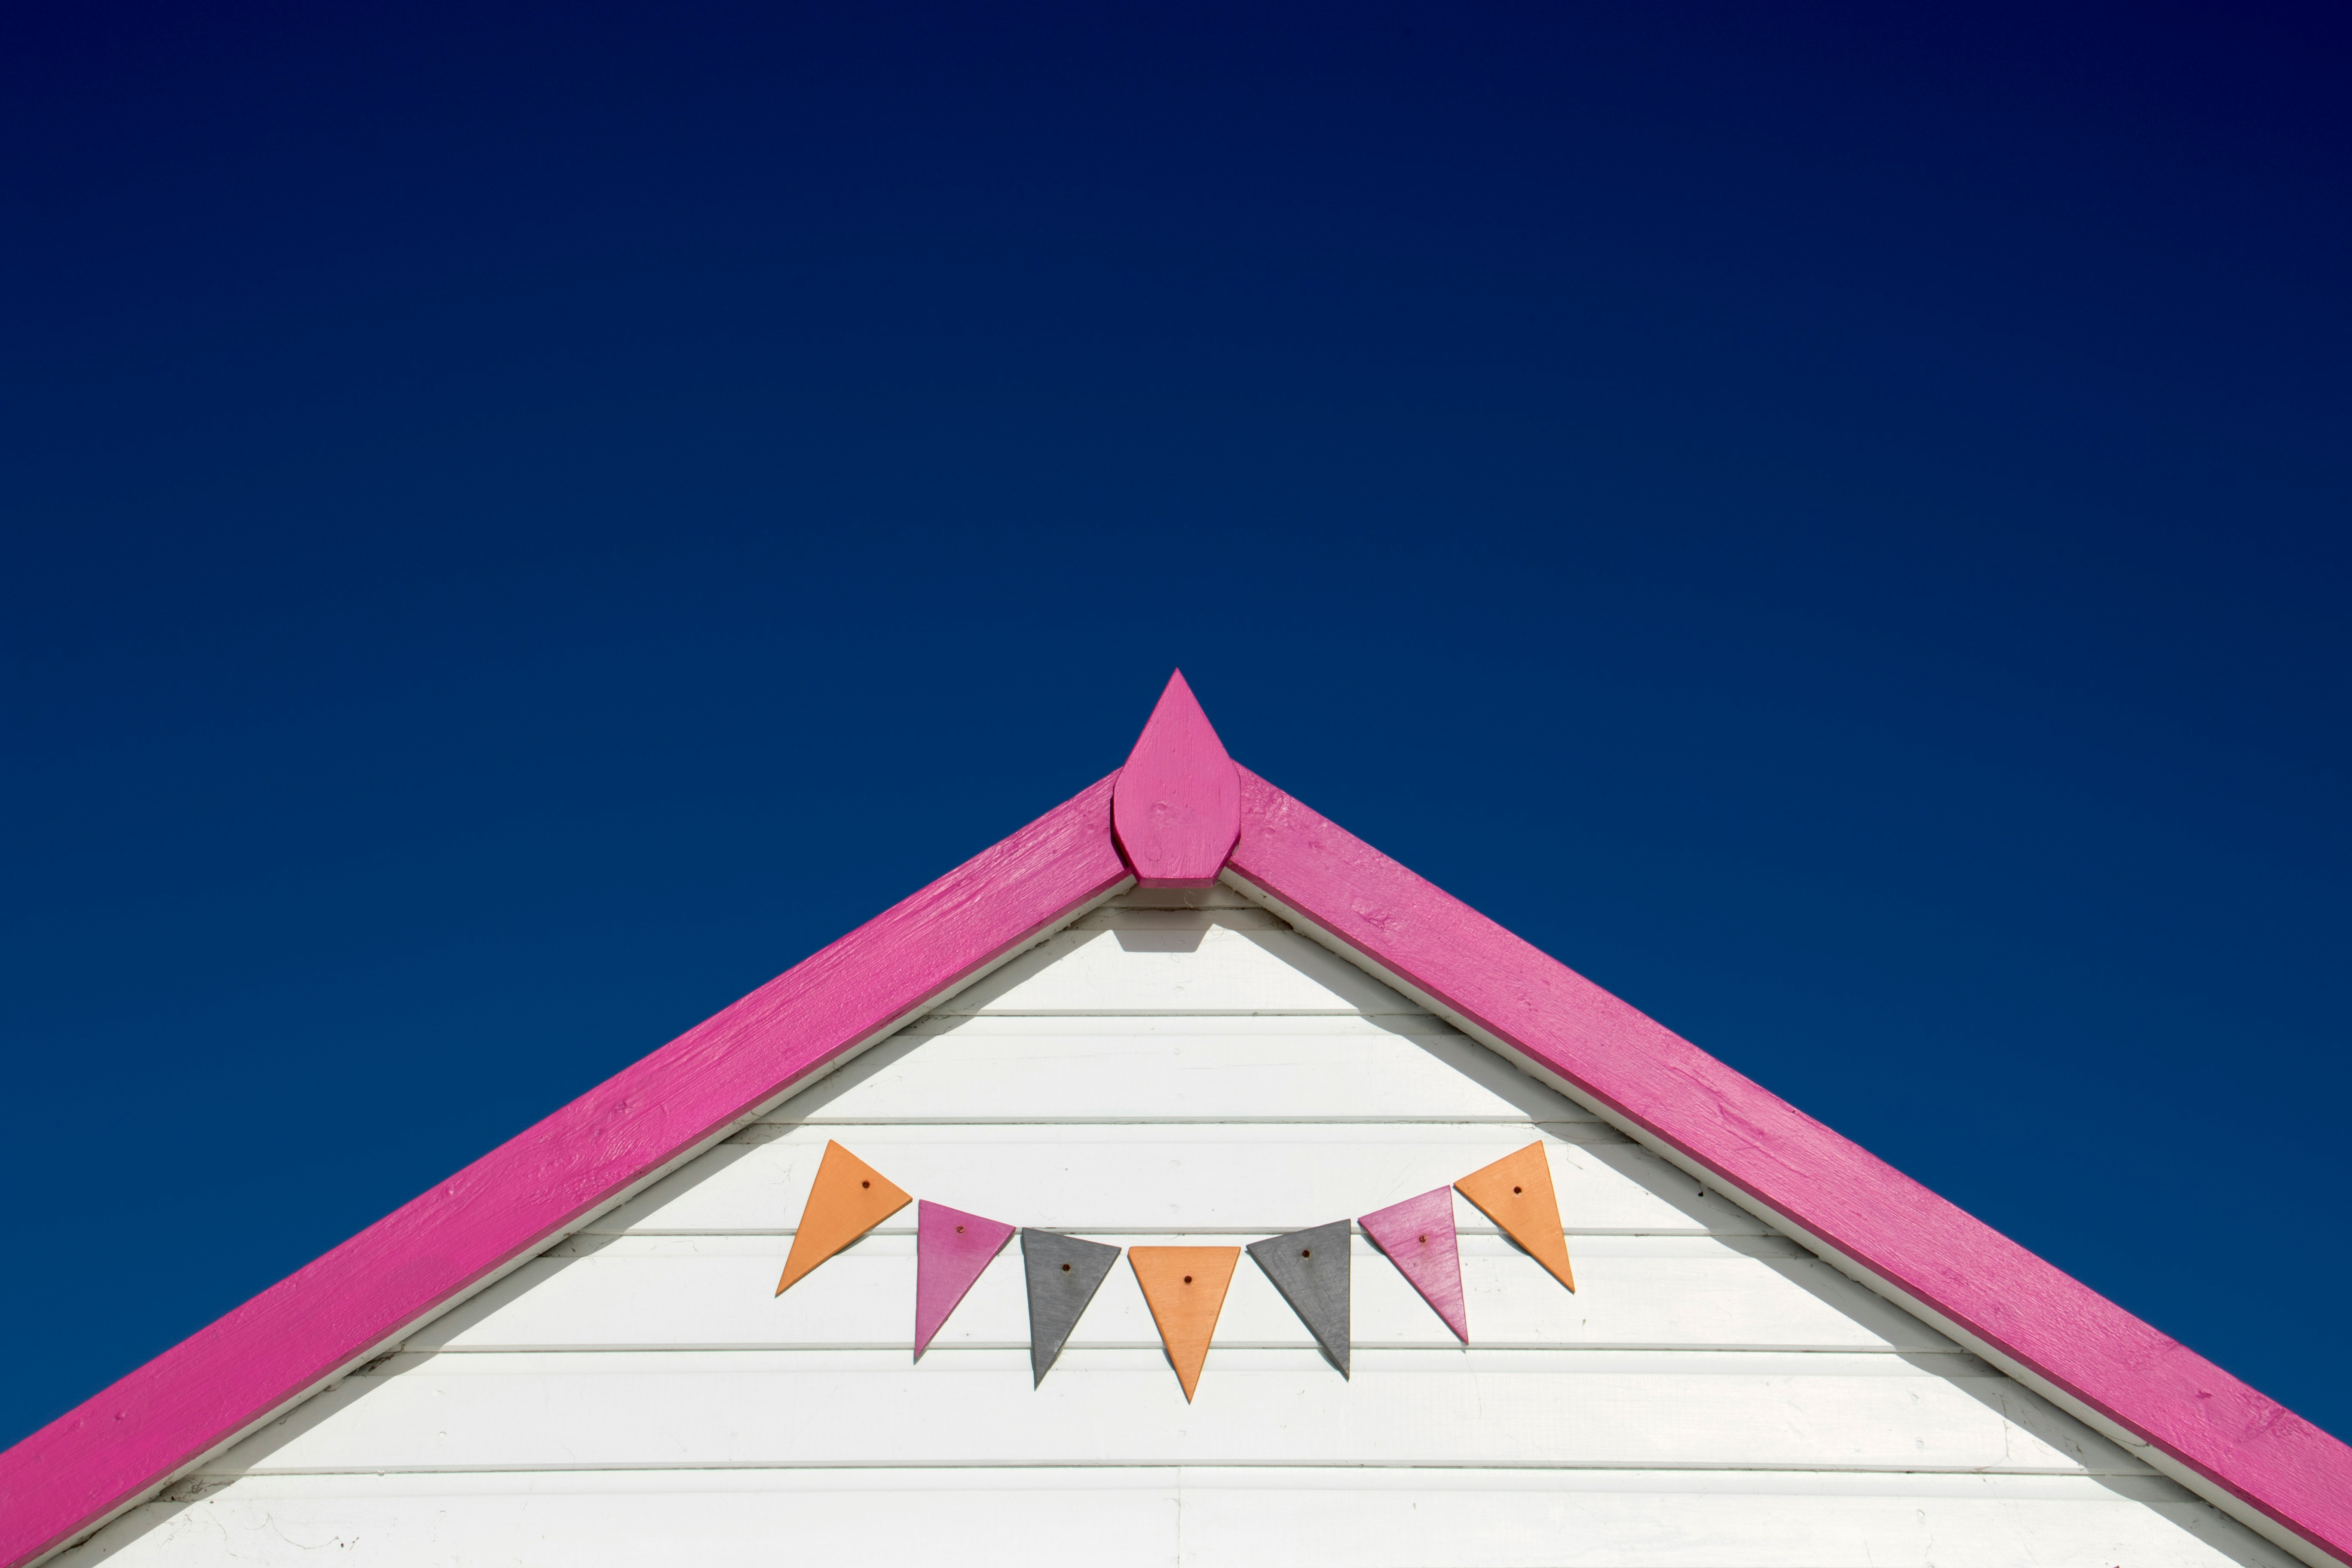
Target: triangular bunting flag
column 1310, row 1268
column 952, row 1247
column 1514, row 1192
column 1185, row 1288
column 849, row 1198
column 1418, row 1236
column 1064, row 1274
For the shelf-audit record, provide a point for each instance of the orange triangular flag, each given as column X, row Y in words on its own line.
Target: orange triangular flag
column 1516, row 1194
column 849, row 1198
column 1185, row 1288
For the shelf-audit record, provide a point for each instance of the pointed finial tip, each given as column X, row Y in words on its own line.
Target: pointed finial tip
column 1176, row 810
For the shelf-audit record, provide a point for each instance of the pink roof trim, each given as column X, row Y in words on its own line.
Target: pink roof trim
column 230, row 1376
column 2146, row 1383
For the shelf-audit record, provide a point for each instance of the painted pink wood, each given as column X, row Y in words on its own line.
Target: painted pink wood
column 2142, row 1380
column 952, row 1247
column 231, row 1375
column 1178, row 804
column 1417, row 1236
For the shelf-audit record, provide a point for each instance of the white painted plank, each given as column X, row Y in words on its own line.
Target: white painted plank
column 1257, row 1068
column 719, row 1292
column 1217, row 1519
column 1259, row 1179
column 1660, row 1409
column 1269, row 1521
column 1225, row 963
column 607, row 1520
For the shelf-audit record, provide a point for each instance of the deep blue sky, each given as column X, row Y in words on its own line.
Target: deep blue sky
column 522, row 523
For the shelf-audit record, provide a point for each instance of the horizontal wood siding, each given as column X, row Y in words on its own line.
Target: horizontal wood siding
column 1178, row 1067
column 1350, row 1518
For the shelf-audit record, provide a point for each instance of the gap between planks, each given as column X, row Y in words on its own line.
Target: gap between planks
column 1177, row 1015
column 1696, row 1466
column 1260, row 1230
column 1012, row 1475
column 1532, row 1122
column 905, row 1347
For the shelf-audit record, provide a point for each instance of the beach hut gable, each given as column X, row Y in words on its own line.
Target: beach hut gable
column 1778, row 1348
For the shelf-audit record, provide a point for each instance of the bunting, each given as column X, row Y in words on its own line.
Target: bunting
column 952, row 1247
column 849, row 1198
column 1418, row 1236
column 1064, row 1274
column 1184, row 1287
column 1514, row 1192
column 1310, row 1268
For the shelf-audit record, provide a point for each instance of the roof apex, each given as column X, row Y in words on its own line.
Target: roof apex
column 1177, row 808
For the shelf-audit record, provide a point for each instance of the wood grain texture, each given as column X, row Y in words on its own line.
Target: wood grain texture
column 226, row 1377
column 1418, row 1236
column 1314, row 1269
column 1177, row 808
column 2251, row 1447
column 951, row 1250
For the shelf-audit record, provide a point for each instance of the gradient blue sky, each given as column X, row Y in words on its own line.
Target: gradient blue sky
column 521, row 522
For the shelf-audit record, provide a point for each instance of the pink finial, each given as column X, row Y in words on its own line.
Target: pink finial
column 1177, row 808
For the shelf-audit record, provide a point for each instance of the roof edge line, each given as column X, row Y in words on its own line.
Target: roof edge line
column 2258, row 1461
column 120, row 1446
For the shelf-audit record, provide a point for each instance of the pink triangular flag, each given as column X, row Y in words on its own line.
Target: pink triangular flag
column 1418, row 1236
column 950, row 1249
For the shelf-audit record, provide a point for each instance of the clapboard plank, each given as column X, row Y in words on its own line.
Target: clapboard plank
column 1351, row 1518
column 1372, row 1521
column 1109, row 1406
column 1259, row 1178
column 393, row 1522
column 719, row 1292
column 1214, row 962
column 1257, row 1069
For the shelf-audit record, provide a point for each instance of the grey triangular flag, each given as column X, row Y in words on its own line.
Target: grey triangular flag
column 1310, row 1268
column 1064, row 1274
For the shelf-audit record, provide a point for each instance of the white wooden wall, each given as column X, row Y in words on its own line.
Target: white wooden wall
column 1712, row 1395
